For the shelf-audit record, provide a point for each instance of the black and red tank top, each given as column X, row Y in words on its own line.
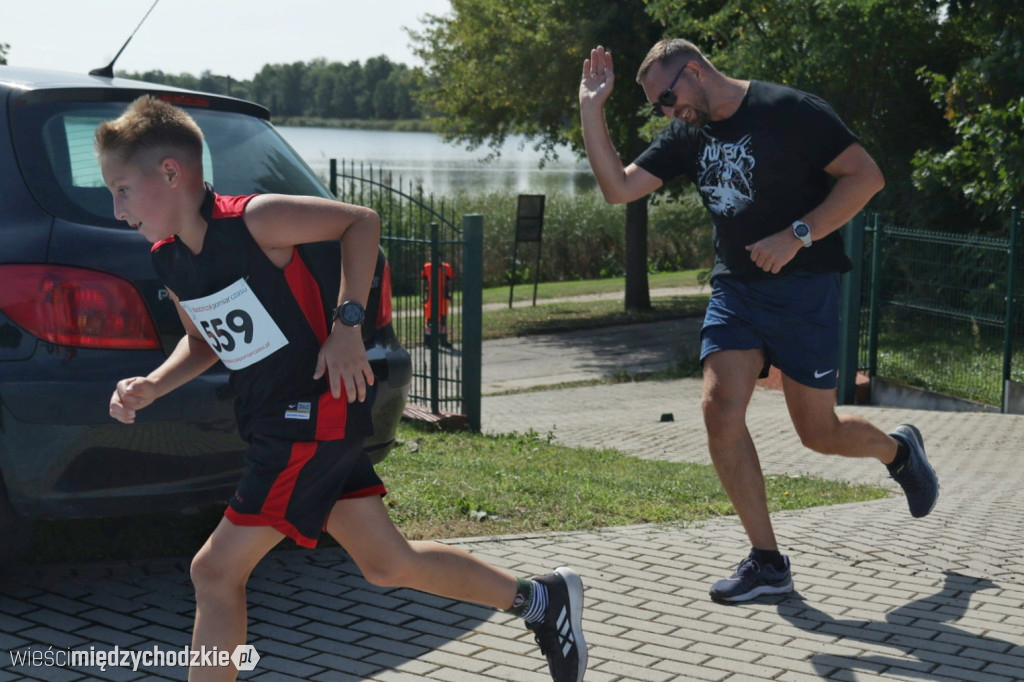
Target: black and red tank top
column 266, row 323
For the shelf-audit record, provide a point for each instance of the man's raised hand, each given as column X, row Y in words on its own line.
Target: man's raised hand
column 598, row 78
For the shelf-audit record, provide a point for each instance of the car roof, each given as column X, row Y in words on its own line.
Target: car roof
column 26, row 78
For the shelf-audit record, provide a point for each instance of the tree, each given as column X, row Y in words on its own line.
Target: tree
column 323, row 82
column 984, row 107
column 392, row 98
column 346, row 91
column 281, row 88
column 863, row 57
column 495, row 69
column 264, row 87
column 375, row 71
column 3, row 52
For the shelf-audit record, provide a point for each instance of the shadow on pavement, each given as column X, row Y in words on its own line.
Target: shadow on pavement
column 921, row 631
column 310, row 613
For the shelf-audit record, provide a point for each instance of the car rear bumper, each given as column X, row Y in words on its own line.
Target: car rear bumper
column 62, row 456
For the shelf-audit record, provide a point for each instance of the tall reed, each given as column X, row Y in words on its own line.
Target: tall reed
column 584, row 237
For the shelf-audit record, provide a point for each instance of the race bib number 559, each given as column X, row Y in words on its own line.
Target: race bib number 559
column 236, row 325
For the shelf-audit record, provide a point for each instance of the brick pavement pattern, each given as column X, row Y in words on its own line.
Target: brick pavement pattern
column 879, row 595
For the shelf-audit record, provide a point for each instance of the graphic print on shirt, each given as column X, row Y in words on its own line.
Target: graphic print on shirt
column 725, row 176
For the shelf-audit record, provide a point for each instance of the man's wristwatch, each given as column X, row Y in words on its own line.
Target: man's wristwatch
column 803, row 232
column 350, row 314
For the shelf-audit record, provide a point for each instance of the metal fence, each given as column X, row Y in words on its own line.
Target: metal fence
column 437, row 321
column 940, row 310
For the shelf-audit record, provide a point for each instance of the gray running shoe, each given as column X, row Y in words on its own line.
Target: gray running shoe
column 916, row 477
column 752, row 579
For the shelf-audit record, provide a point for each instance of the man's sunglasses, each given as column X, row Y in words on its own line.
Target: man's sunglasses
column 668, row 98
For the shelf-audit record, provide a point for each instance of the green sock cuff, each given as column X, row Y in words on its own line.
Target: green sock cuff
column 523, row 598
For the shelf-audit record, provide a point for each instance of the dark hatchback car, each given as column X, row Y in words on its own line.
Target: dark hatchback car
column 80, row 308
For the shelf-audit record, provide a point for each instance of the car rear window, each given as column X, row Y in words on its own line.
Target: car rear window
column 73, row 145
column 242, row 154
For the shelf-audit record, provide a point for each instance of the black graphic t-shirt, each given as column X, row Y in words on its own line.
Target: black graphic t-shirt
column 758, row 171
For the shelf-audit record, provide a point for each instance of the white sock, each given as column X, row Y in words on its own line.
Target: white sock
column 539, row 603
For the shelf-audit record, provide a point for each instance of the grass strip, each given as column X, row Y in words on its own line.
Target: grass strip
column 589, row 287
column 461, row 484
column 567, row 316
column 448, row 485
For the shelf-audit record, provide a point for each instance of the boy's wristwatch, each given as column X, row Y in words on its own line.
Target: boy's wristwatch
column 350, row 314
column 803, row 232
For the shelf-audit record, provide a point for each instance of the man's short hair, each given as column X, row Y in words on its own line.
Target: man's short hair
column 151, row 125
column 668, row 52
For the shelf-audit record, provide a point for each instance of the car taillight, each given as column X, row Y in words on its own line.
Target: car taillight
column 185, row 100
column 384, row 307
column 75, row 307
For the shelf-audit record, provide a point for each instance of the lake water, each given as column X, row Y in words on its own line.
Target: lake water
column 443, row 169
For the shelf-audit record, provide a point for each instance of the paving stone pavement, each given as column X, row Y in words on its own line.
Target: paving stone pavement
column 879, row 596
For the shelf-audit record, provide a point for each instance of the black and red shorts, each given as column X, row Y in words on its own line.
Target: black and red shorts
column 292, row 486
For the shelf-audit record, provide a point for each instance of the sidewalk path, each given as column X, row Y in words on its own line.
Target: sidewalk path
column 555, row 359
column 880, row 596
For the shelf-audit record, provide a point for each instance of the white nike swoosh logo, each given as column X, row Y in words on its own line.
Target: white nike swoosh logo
column 818, row 375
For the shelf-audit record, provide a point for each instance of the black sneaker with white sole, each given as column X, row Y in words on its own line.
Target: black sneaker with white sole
column 560, row 632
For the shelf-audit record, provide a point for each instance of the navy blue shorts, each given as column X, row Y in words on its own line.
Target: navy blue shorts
column 793, row 319
column 292, row 486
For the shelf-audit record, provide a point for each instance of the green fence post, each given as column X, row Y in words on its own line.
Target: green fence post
column 875, row 300
column 334, row 178
column 853, row 235
column 1011, row 291
column 472, row 316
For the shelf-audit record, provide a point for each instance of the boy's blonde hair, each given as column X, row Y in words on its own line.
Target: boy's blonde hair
column 151, row 125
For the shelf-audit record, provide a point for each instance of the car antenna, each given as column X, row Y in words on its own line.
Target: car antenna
column 108, row 70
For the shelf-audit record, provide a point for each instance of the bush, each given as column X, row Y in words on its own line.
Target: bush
column 679, row 235
column 583, row 237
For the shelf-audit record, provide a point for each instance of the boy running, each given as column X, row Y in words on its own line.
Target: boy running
column 237, row 267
